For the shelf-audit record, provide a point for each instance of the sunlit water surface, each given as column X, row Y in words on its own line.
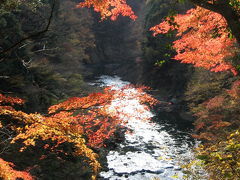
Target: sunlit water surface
column 150, row 152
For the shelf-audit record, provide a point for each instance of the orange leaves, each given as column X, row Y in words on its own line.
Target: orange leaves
column 219, row 114
column 8, row 173
column 93, row 116
column 162, row 28
column 94, row 99
column 109, row 8
column 19, row 115
column 59, row 128
column 199, row 126
column 10, row 100
column 204, row 39
column 215, row 102
column 219, row 124
column 235, row 90
column 85, row 122
column 206, row 135
column 90, row 116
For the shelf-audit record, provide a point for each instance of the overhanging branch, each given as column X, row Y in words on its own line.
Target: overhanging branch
column 34, row 34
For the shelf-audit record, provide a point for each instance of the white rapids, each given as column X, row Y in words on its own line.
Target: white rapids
column 149, row 152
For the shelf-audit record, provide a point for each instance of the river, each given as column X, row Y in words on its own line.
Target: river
column 154, row 150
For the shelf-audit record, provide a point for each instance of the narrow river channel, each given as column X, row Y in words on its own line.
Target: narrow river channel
column 154, row 150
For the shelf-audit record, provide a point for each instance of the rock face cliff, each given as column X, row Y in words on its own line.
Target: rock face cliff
column 119, row 45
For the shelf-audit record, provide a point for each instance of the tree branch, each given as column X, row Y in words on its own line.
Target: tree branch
column 32, row 35
column 226, row 10
column 206, row 5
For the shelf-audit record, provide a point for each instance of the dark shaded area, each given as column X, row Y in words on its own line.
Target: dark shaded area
column 50, row 67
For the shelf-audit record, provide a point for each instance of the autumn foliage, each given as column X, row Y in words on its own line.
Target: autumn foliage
column 7, row 172
column 222, row 159
column 217, row 125
column 85, row 122
column 110, row 8
column 213, row 115
column 204, row 39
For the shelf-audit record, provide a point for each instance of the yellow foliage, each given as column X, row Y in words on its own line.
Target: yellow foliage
column 222, row 159
column 8, row 173
column 59, row 129
column 81, row 121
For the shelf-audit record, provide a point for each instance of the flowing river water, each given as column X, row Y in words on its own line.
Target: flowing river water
column 154, row 150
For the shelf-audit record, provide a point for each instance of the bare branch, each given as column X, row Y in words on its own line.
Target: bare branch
column 32, row 35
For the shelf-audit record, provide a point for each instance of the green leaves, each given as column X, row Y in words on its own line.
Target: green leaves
column 160, row 63
column 235, row 3
column 202, row 157
column 181, row 1
column 222, row 159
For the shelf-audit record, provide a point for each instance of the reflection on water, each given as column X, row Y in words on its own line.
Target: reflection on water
column 153, row 150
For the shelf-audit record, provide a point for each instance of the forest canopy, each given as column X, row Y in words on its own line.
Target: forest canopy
column 49, row 113
column 208, row 35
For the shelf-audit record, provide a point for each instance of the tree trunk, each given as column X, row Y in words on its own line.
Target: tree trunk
column 227, row 11
column 233, row 21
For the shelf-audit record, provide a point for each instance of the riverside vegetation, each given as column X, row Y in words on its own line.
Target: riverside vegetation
column 48, row 48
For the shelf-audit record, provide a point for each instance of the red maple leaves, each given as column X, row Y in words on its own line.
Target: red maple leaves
column 110, row 8
column 204, row 39
column 213, row 115
column 85, row 122
column 7, row 172
column 10, row 100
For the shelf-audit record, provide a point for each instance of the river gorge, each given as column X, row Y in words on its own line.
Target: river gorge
column 154, row 149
